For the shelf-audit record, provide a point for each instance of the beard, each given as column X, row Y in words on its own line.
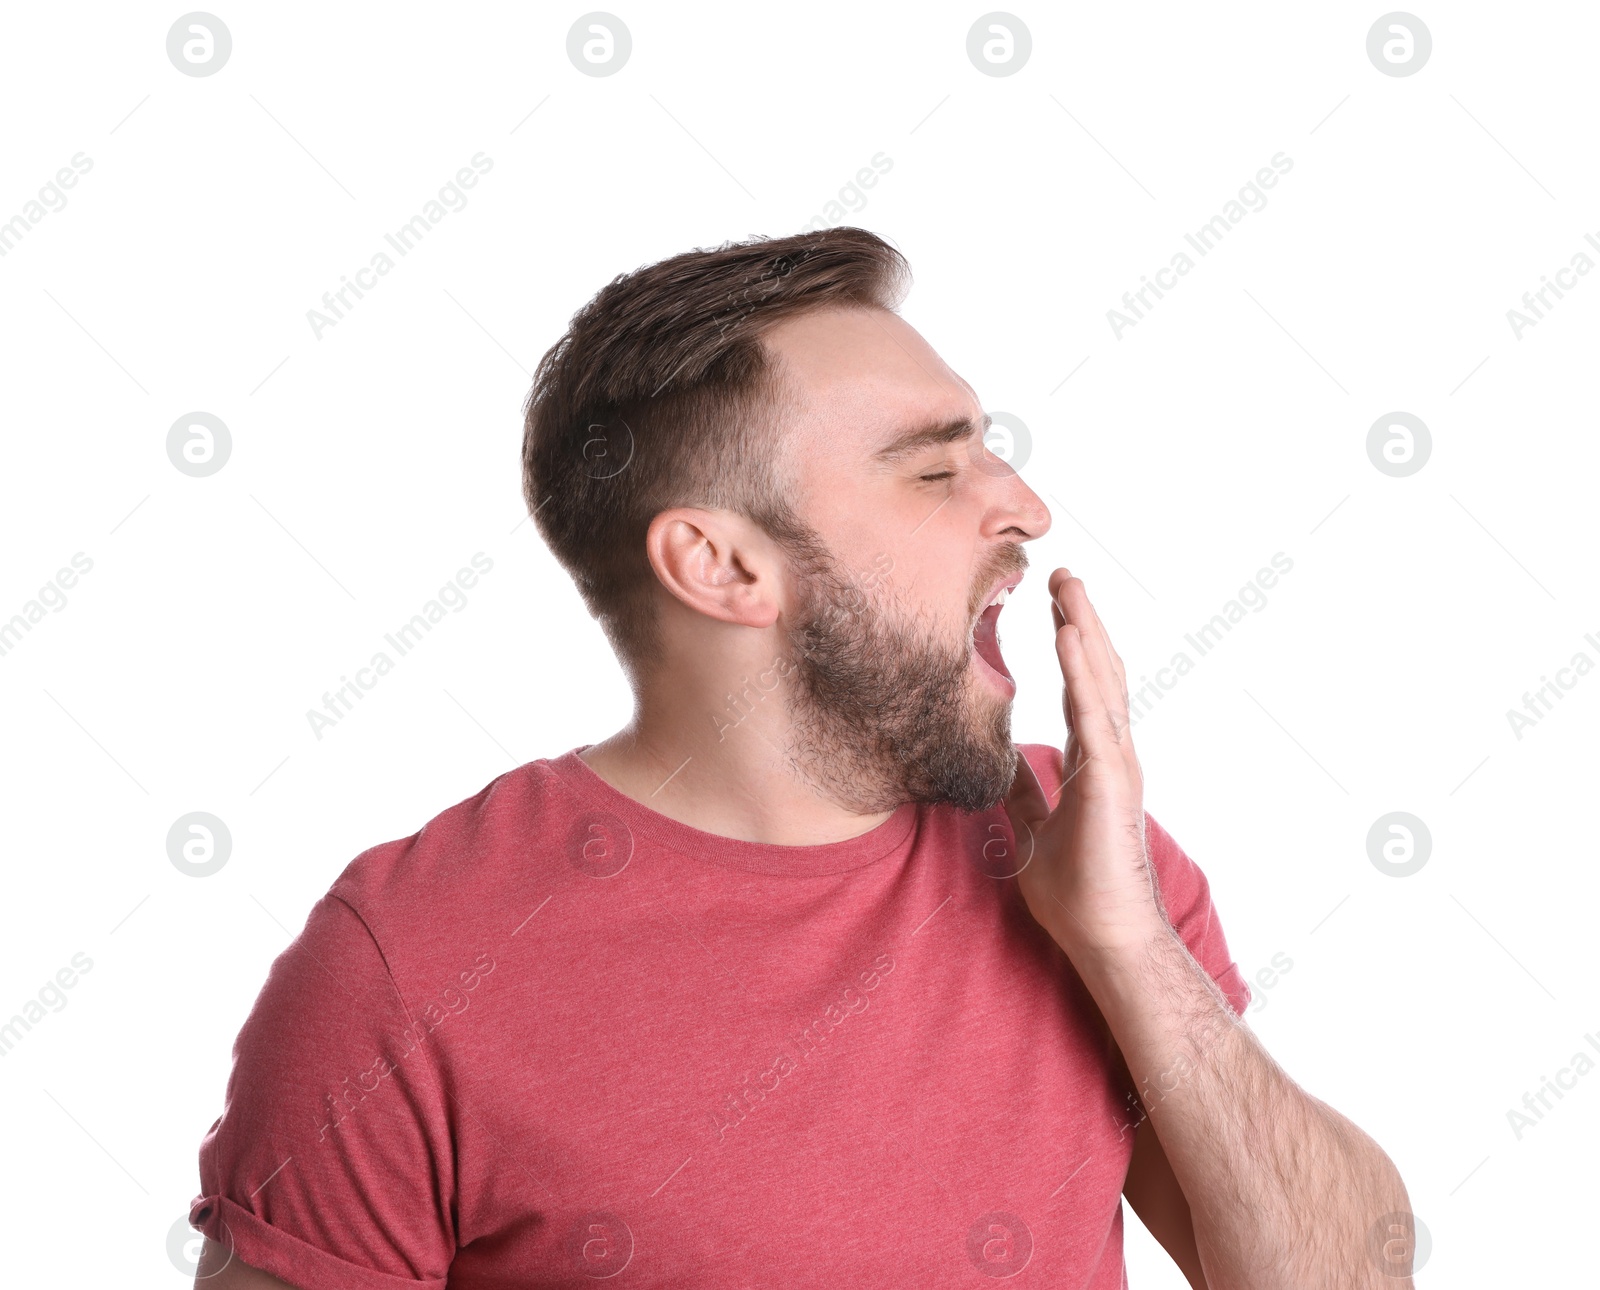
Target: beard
column 884, row 708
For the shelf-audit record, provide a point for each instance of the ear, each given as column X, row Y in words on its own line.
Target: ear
column 717, row 563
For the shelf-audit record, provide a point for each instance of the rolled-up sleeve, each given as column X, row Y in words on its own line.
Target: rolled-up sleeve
column 1186, row 895
column 330, row 1166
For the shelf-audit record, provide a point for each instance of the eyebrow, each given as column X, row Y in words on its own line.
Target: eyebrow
column 914, row 440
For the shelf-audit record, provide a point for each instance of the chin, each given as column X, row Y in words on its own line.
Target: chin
column 970, row 769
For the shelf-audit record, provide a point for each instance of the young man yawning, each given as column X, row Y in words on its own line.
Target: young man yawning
column 809, row 976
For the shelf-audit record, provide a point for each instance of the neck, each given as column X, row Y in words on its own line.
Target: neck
column 724, row 767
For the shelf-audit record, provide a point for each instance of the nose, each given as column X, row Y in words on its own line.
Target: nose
column 1017, row 513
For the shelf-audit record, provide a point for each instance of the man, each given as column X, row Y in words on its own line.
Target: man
column 806, row 977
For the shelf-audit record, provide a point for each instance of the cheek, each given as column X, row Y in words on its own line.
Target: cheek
column 930, row 581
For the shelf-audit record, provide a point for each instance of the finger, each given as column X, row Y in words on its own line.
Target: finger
column 1073, row 753
column 1103, row 657
column 1118, row 671
column 1103, row 637
column 1074, row 597
column 1091, row 721
column 1074, row 603
column 1076, row 712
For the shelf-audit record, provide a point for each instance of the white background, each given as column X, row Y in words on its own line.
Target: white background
column 1229, row 424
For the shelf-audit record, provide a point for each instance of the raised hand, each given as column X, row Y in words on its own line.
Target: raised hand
column 1086, row 875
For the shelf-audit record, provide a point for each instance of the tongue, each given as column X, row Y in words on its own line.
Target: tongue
column 988, row 642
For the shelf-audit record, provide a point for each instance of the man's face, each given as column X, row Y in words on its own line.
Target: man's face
column 901, row 693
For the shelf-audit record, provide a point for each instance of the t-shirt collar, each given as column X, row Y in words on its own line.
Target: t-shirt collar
column 650, row 827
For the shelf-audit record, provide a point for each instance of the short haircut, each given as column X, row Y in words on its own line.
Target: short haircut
column 660, row 394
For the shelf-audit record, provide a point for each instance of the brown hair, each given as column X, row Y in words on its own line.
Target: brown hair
column 661, row 394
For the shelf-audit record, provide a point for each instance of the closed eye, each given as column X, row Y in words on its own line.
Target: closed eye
column 943, row 474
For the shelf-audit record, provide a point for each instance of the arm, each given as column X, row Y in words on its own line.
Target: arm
column 333, row 1122
column 1281, row 1189
column 218, row 1270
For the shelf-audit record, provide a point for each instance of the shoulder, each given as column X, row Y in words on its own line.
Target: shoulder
column 451, row 883
column 1046, row 760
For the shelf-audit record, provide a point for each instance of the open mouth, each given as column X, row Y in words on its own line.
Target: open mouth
column 986, row 638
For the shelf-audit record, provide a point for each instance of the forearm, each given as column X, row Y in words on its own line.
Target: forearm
column 1281, row 1188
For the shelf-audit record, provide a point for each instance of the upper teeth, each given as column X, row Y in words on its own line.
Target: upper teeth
column 1000, row 599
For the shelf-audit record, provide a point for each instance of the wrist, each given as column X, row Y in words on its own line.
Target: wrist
column 1112, row 949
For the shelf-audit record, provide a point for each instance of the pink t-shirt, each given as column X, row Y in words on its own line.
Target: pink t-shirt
column 555, row 1036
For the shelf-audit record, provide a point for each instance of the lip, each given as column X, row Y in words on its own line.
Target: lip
column 998, row 679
